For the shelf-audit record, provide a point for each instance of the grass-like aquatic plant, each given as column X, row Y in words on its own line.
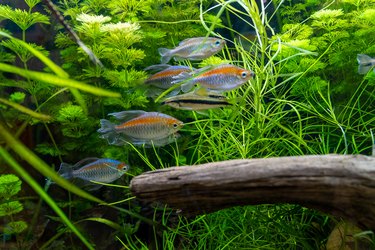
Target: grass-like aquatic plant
column 306, row 98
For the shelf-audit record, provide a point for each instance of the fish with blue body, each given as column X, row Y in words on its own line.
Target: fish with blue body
column 366, row 63
column 140, row 128
column 218, row 78
column 94, row 169
column 197, row 48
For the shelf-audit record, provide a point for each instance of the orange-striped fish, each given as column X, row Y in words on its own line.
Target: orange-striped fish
column 196, row 48
column 162, row 80
column 219, row 78
column 140, row 128
column 100, row 170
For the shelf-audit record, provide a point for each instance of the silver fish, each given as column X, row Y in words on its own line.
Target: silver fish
column 100, row 170
column 140, row 128
column 218, row 78
column 196, row 48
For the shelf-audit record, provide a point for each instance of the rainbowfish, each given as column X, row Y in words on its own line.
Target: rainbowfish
column 100, row 170
column 196, row 48
column 140, row 128
column 365, row 63
column 219, row 78
column 197, row 100
column 162, row 80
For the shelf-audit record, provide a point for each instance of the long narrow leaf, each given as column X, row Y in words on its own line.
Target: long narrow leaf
column 29, row 156
column 54, row 67
column 56, row 80
column 25, row 110
column 39, row 190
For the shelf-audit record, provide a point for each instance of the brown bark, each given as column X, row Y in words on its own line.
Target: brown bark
column 341, row 185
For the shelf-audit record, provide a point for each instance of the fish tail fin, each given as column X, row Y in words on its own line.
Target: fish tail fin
column 114, row 138
column 108, row 132
column 365, row 63
column 363, row 69
column 185, row 79
column 106, row 126
column 165, row 55
column 364, row 59
column 186, row 87
column 66, row 170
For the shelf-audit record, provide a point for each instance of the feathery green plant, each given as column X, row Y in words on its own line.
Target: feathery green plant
column 10, row 185
column 306, row 98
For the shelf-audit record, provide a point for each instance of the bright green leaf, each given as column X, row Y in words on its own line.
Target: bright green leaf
column 11, row 207
column 9, row 185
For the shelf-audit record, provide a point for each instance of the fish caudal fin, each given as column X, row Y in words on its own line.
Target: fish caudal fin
column 108, row 131
column 165, row 55
column 66, row 170
column 186, row 87
column 106, row 126
column 365, row 63
column 363, row 69
column 186, row 79
column 363, row 59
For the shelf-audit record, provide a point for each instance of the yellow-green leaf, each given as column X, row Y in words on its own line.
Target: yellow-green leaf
column 25, row 110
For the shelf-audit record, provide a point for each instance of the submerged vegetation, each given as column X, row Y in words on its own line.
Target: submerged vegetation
column 306, row 98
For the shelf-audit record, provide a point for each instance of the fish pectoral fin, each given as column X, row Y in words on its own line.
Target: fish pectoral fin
column 127, row 115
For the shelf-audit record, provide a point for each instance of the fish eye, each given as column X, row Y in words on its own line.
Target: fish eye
column 125, row 168
column 175, row 125
column 217, row 43
column 244, row 74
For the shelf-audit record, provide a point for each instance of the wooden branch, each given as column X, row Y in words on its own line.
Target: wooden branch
column 341, row 185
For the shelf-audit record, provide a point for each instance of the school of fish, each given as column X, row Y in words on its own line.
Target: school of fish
column 156, row 129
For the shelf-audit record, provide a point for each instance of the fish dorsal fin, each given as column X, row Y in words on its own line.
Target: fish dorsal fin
column 127, row 115
column 195, row 39
column 204, row 69
column 84, row 162
column 157, row 67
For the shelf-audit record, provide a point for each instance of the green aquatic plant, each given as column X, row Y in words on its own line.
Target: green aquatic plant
column 298, row 103
column 10, row 185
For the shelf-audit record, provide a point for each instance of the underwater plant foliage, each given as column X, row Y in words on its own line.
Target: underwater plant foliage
column 306, row 98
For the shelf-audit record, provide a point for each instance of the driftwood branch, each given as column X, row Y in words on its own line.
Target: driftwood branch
column 341, row 185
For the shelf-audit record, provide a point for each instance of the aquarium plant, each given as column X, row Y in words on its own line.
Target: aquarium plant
column 306, row 98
